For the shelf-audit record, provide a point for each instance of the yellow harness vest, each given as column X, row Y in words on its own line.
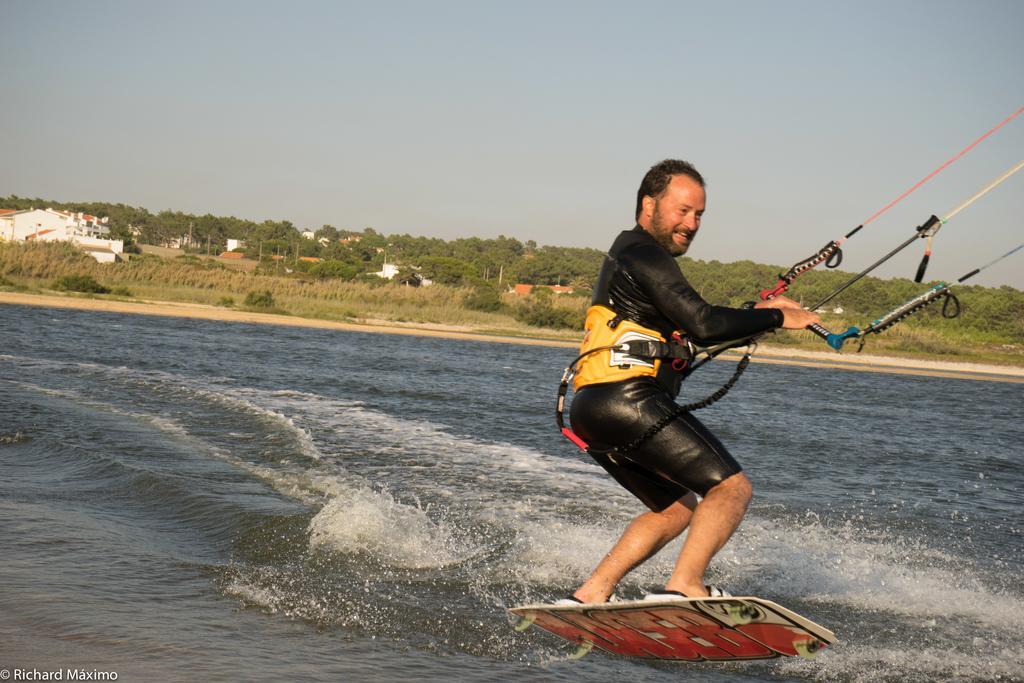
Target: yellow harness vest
column 605, row 328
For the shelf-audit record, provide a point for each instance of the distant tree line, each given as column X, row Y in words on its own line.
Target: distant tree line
column 346, row 254
column 483, row 263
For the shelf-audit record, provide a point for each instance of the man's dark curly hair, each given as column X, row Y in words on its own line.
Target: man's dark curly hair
column 658, row 178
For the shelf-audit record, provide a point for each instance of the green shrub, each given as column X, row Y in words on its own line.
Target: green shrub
column 541, row 315
column 335, row 269
column 226, row 301
column 79, row 283
column 485, row 299
column 261, row 299
column 121, row 291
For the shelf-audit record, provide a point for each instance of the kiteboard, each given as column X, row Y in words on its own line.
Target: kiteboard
column 685, row 630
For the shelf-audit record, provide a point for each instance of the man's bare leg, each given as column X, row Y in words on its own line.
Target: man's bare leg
column 713, row 523
column 645, row 536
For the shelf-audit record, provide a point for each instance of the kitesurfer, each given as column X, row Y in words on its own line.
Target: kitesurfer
column 641, row 293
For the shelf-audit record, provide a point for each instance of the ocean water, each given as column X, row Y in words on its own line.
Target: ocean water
column 191, row 500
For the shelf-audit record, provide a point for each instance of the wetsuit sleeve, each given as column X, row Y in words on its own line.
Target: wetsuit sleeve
column 657, row 273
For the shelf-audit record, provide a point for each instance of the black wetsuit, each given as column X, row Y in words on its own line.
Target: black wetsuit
column 641, row 281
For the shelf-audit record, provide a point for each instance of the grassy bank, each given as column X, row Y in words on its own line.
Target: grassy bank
column 39, row 268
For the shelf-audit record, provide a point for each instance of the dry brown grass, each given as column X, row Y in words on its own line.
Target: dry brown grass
column 204, row 281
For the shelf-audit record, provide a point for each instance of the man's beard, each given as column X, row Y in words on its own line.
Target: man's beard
column 663, row 235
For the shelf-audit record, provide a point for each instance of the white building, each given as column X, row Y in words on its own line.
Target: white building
column 20, row 224
column 235, row 244
column 104, row 251
column 51, row 225
column 388, row 272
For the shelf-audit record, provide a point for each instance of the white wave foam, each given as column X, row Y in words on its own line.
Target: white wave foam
column 225, row 395
column 903, row 611
column 860, row 663
column 270, row 598
column 166, row 425
column 275, row 591
column 557, row 551
column 303, row 440
column 350, row 423
column 69, row 394
column 878, row 572
column 360, row 520
column 300, row 485
column 353, row 424
column 356, row 518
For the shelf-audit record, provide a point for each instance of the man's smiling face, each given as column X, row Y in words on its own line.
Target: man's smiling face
column 674, row 218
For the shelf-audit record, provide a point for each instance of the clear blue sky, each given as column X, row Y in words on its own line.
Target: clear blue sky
column 535, row 120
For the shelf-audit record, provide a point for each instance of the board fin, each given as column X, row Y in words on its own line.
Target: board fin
column 526, row 622
column 808, row 649
column 585, row 647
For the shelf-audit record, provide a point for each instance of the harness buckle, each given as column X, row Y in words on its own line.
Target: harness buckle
column 679, row 363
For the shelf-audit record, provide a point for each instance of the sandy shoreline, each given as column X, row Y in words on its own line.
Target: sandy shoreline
column 765, row 354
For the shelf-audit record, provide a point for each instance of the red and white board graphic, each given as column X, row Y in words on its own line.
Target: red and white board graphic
column 690, row 630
